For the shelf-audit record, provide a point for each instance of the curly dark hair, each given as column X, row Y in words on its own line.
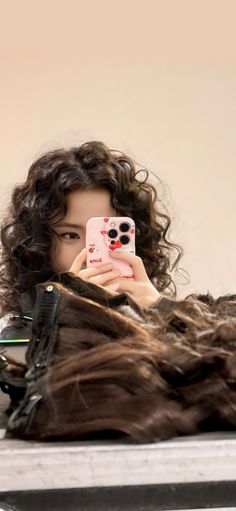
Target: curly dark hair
column 27, row 233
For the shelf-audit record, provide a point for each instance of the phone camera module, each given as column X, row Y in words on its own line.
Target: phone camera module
column 112, row 233
column 124, row 227
column 124, row 240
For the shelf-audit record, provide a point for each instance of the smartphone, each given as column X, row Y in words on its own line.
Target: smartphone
column 107, row 234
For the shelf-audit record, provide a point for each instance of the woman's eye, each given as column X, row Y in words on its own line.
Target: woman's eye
column 70, row 235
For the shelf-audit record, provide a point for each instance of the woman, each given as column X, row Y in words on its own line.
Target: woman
column 68, row 186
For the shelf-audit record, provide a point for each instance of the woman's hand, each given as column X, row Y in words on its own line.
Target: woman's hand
column 100, row 275
column 140, row 287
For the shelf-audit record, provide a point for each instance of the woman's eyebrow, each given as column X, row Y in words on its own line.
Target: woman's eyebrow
column 67, row 224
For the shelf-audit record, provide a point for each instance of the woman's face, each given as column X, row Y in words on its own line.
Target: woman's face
column 82, row 205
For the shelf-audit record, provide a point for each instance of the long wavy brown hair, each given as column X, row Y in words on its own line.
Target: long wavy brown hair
column 26, row 233
column 118, row 370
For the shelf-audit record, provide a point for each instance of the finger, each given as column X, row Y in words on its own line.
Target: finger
column 113, row 281
column 78, row 262
column 113, row 287
column 91, row 272
column 122, row 285
column 112, row 291
column 100, row 280
column 135, row 262
column 127, row 286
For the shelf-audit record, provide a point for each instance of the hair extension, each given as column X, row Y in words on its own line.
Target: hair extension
column 170, row 371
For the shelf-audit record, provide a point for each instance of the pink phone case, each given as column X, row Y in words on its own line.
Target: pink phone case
column 104, row 235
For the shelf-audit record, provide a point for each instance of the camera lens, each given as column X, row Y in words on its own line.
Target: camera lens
column 124, row 240
column 124, row 227
column 112, row 233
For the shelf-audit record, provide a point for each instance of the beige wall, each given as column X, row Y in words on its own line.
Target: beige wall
column 156, row 79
